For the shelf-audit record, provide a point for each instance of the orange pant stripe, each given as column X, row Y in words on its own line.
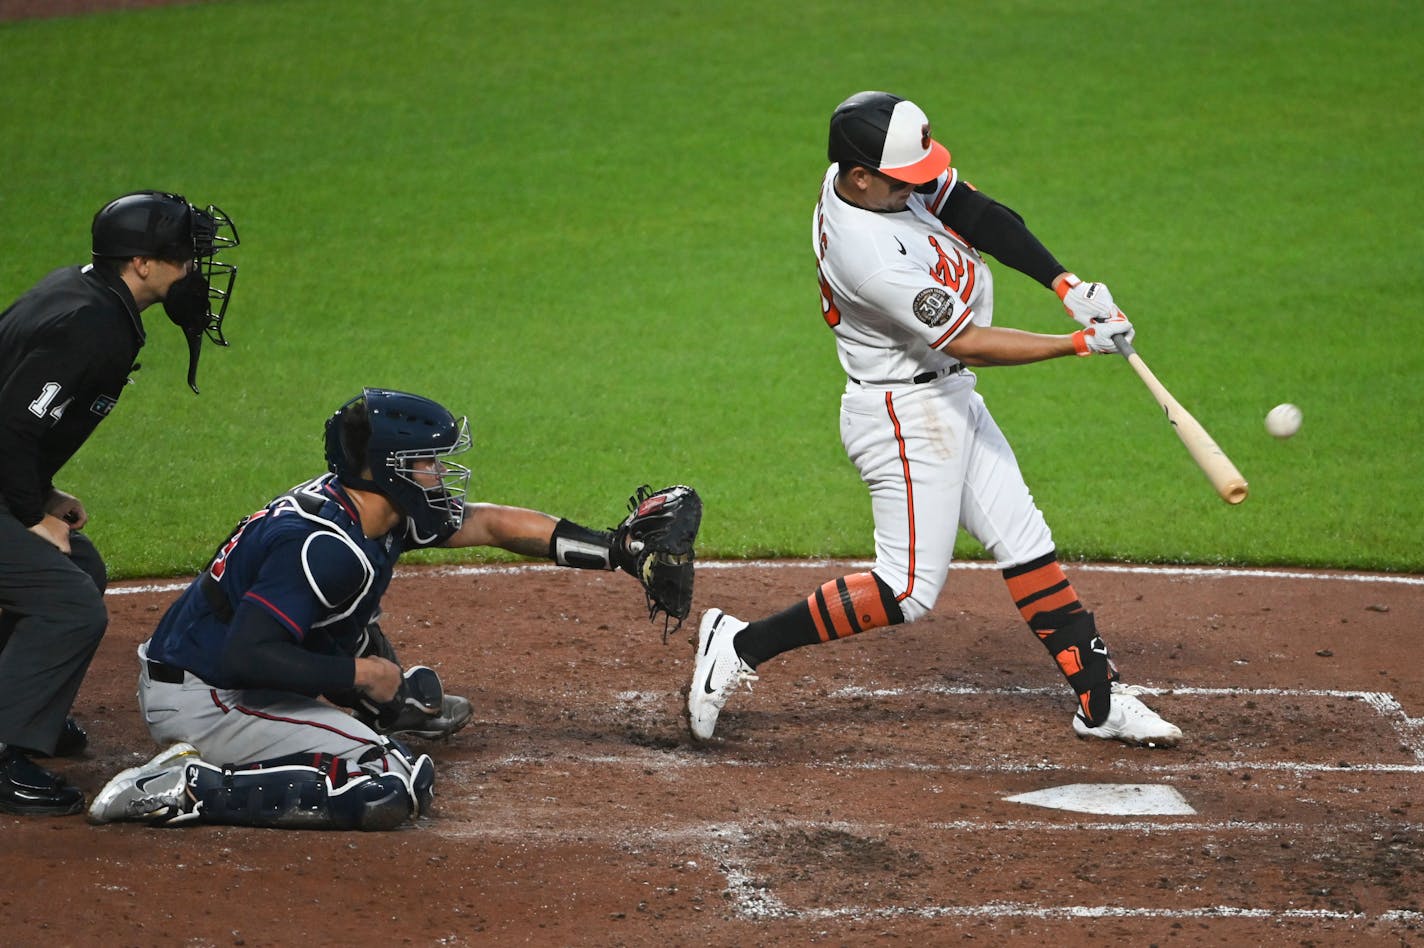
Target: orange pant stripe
column 909, row 494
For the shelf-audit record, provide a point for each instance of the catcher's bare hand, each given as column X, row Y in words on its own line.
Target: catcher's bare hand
column 377, row 678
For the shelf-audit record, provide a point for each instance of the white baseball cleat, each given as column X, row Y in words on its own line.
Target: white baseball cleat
column 717, row 673
column 1131, row 722
column 154, row 789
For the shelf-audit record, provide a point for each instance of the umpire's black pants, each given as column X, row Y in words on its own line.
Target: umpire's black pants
column 53, row 618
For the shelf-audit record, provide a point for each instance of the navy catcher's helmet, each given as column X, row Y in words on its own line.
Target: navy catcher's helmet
column 374, row 442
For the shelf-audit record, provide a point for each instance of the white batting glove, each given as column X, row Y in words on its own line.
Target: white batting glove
column 1098, row 338
column 1086, row 302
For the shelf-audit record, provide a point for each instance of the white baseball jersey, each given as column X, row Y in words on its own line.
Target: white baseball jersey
column 896, row 287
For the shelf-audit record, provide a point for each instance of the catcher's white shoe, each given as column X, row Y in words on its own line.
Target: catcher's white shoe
column 152, row 790
column 1131, row 722
column 717, row 673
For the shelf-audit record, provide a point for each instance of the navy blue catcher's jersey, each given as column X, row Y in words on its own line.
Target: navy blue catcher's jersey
column 303, row 559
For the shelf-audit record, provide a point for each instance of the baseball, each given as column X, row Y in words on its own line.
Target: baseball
column 1283, row 420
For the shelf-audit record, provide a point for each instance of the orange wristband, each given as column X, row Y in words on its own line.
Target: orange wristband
column 1080, row 343
column 1065, row 283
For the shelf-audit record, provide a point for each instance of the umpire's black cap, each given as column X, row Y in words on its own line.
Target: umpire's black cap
column 888, row 134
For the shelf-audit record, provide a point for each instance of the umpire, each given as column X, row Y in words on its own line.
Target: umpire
column 66, row 350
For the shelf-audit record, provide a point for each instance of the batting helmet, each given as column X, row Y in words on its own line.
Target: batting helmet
column 374, row 441
column 888, row 134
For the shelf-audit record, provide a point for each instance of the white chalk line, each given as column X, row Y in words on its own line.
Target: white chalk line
column 723, row 844
column 1408, row 730
column 1200, row 572
column 753, row 901
column 670, row 761
column 608, row 833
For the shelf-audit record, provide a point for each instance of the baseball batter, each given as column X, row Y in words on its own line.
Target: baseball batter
column 905, row 290
column 284, row 616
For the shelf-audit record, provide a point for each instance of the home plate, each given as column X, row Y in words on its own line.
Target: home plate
column 1110, row 799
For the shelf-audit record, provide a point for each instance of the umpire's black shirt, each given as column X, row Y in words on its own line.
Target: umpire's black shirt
column 66, row 350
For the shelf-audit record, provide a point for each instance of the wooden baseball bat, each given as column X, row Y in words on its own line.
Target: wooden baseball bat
column 1211, row 459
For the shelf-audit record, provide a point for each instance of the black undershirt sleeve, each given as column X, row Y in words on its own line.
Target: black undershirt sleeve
column 260, row 653
column 998, row 231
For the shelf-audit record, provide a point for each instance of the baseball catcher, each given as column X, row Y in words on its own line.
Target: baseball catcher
column 249, row 674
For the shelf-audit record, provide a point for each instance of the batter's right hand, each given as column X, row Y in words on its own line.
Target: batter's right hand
column 378, row 678
column 1097, row 339
column 55, row 530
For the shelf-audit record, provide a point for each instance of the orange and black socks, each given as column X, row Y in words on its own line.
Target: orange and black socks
column 1050, row 606
column 839, row 608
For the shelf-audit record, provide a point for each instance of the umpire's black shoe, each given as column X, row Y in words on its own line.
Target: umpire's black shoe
column 26, row 788
column 72, row 740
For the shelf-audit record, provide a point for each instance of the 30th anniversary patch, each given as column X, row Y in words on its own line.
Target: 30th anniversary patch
column 933, row 306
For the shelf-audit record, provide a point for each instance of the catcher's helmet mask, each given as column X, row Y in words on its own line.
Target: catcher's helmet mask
column 401, row 430
column 164, row 225
column 886, row 133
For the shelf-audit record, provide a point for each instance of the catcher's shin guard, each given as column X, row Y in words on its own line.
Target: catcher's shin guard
column 316, row 794
column 1051, row 608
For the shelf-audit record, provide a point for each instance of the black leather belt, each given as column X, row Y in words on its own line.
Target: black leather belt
column 920, row 379
column 160, row 671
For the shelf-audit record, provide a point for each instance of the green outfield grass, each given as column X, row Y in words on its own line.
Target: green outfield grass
column 589, row 229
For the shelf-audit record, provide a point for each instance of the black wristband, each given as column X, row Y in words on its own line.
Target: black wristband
column 580, row 547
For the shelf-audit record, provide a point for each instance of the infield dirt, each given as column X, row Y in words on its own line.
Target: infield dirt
column 857, row 795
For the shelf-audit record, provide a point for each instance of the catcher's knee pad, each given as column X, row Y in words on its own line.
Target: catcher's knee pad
column 417, row 770
column 316, row 795
column 422, row 784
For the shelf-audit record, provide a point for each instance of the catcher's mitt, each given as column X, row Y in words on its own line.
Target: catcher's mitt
column 655, row 545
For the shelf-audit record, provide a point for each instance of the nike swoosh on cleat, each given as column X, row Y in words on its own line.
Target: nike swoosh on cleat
column 142, row 782
column 707, row 685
